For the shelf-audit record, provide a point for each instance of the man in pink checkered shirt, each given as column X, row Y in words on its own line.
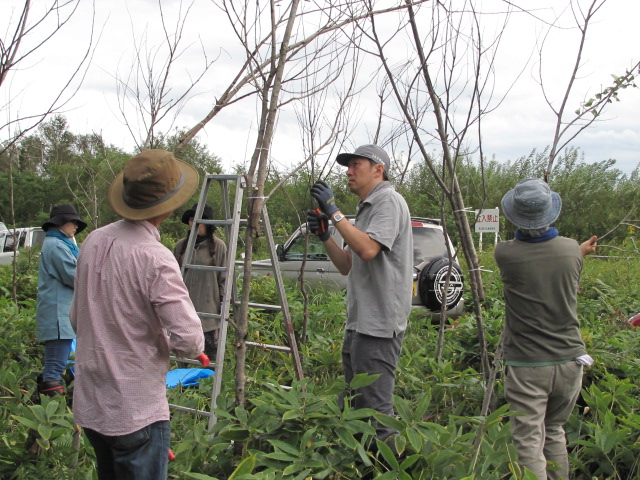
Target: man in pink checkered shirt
column 129, row 294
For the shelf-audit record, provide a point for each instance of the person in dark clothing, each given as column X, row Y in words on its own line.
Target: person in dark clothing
column 206, row 288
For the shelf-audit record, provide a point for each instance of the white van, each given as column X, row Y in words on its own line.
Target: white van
column 24, row 237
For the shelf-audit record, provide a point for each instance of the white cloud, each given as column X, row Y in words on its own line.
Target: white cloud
column 521, row 123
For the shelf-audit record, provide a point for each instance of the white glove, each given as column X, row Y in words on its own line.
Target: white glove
column 584, row 360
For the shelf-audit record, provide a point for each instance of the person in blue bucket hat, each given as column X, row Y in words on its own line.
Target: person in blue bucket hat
column 543, row 350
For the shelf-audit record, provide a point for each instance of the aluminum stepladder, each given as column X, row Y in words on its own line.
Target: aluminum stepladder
column 231, row 224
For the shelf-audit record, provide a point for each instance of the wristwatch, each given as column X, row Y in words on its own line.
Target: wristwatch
column 337, row 217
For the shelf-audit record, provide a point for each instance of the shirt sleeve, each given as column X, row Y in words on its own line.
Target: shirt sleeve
column 170, row 299
column 384, row 223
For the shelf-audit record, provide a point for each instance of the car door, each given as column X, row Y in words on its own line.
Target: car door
column 9, row 241
column 318, row 269
column 5, row 258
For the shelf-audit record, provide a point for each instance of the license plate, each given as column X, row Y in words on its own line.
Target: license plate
column 415, row 288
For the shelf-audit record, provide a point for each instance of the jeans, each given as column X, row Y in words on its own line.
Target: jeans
column 373, row 355
column 56, row 354
column 141, row 455
column 545, row 397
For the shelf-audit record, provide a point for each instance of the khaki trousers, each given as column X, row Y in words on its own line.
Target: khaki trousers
column 545, row 397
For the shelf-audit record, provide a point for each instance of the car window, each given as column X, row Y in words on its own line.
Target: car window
column 23, row 236
column 315, row 249
column 8, row 244
column 428, row 243
column 37, row 238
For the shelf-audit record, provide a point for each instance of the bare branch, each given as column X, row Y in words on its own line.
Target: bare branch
column 624, row 221
column 11, row 55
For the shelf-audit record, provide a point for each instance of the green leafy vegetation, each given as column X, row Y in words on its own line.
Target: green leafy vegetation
column 301, row 433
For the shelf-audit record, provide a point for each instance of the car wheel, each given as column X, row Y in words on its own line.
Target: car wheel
column 432, row 283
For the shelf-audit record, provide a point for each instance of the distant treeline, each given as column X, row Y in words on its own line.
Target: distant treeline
column 55, row 166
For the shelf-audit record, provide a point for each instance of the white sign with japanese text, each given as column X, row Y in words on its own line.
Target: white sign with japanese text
column 488, row 220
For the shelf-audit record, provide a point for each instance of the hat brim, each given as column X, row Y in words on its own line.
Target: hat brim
column 59, row 220
column 116, row 198
column 207, row 213
column 343, row 158
column 531, row 223
column 187, row 215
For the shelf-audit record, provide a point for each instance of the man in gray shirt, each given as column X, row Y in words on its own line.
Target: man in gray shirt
column 378, row 260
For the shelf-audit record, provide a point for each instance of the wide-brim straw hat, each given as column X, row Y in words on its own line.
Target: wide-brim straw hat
column 61, row 214
column 152, row 183
column 531, row 204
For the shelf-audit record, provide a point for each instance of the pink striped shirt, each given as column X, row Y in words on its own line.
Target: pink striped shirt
column 129, row 292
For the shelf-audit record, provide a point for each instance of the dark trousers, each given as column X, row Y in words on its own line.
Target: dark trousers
column 141, row 455
column 373, row 355
column 211, row 343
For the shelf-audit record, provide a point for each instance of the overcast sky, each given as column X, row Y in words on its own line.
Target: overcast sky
column 521, row 123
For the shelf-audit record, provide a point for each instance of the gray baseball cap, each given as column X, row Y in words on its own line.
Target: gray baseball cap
column 370, row 152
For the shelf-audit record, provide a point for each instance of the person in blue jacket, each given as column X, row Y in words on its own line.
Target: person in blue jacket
column 55, row 293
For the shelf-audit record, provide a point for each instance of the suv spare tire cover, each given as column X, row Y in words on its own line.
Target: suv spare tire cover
column 432, row 282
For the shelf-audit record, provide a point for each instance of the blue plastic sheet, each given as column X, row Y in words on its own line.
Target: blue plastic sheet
column 188, row 377
column 72, row 353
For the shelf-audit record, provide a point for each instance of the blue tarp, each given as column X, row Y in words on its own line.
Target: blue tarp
column 188, row 377
column 72, row 353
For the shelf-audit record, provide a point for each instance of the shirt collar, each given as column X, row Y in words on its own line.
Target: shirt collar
column 374, row 191
column 148, row 226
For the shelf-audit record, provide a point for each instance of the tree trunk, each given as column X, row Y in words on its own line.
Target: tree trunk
column 258, row 172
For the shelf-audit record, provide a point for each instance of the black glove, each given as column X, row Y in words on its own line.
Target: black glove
column 324, row 196
column 318, row 224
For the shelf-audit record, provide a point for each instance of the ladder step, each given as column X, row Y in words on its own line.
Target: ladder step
column 209, row 315
column 190, row 361
column 279, row 348
column 190, row 410
column 217, row 176
column 284, row 387
column 209, row 268
column 263, row 306
column 215, row 222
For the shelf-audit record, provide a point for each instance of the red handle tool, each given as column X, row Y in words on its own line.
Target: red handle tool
column 319, row 212
column 203, row 359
